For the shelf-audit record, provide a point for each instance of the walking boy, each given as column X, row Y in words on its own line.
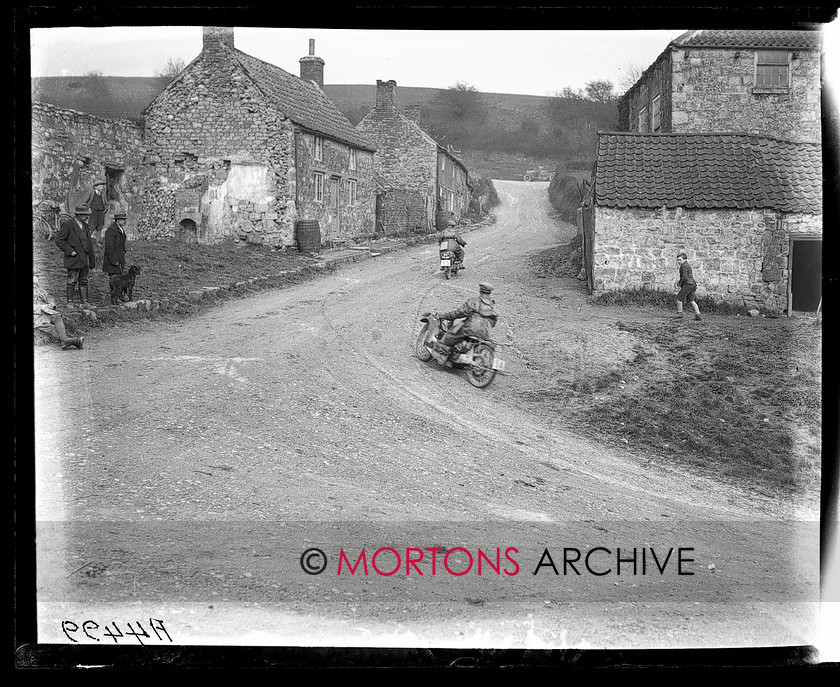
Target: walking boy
column 687, row 287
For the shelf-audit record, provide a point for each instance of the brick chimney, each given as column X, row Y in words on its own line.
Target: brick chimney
column 311, row 67
column 386, row 97
column 412, row 112
column 216, row 36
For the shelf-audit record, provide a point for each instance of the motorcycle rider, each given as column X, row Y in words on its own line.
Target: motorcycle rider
column 454, row 241
column 478, row 317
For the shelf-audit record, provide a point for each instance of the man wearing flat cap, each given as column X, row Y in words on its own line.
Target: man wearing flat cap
column 479, row 317
column 113, row 261
column 98, row 205
column 73, row 239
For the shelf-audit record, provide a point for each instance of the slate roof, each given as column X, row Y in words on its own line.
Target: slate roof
column 707, row 170
column 738, row 38
column 301, row 101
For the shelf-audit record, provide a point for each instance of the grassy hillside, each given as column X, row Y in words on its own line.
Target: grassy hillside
column 499, row 135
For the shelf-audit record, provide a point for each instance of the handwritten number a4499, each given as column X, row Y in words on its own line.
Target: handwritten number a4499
column 131, row 633
column 65, row 624
column 113, row 635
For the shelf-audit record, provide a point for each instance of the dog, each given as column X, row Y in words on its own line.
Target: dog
column 123, row 285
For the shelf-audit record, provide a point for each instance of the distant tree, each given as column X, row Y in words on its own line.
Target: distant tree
column 600, row 91
column 173, row 67
column 569, row 92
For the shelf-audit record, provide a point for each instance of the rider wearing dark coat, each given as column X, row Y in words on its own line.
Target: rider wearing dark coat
column 454, row 241
column 480, row 317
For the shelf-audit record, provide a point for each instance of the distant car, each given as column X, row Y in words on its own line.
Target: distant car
column 539, row 174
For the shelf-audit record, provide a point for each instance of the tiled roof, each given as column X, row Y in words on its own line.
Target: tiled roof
column 301, row 101
column 729, row 38
column 708, row 170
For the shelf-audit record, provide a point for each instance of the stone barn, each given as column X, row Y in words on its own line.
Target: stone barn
column 746, row 209
column 763, row 82
column 424, row 176
column 237, row 147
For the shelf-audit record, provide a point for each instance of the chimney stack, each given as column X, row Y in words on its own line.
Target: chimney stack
column 386, row 98
column 311, row 67
column 413, row 113
column 215, row 36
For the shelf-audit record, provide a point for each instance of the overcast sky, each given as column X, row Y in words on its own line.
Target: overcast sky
column 527, row 62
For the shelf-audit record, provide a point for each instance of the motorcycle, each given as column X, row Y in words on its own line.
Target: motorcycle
column 448, row 262
column 477, row 356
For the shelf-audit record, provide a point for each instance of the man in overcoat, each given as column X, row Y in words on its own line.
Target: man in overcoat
column 74, row 240
column 113, row 261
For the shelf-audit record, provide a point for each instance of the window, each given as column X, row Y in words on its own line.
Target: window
column 318, row 182
column 443, row 164
column 643, row 120
column 772, row 69
column 657, row 113
column 351, row 192
column 319, row 148
column 352, row 158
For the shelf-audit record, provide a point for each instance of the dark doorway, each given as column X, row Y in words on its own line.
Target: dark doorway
column 806, row 275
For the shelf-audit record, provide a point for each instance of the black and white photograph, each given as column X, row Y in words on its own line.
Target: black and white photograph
column 428, row 338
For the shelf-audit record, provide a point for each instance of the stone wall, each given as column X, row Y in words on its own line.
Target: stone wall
column 71, row 149
column 339, row 220
column 713, row 91
column 402, row 211
column 656, row 81
column 707, row 90
column 453, row 177
column 740, row 256
column 220, row 155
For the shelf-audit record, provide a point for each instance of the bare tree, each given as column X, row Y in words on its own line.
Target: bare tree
column 630, row 74
column 173, row 67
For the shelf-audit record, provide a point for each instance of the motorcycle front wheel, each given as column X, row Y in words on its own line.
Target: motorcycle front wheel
column 481, row 372
column 420, row 349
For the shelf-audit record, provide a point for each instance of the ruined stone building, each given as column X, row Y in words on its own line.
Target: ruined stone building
column 71, row 150
column 719, row 157
column 423, row 176
column 241, row 147
column 232, row 147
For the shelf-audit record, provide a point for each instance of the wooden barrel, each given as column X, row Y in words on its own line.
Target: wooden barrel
column 442, row 218
column 308, row 235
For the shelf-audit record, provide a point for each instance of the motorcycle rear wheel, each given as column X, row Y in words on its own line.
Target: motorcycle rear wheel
column 481, row 372
column 447, row 272
column 420, row 349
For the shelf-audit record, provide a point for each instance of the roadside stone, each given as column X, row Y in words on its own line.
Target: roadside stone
column 752, row 313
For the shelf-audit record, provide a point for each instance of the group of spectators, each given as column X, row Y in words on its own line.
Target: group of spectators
column 76, row 239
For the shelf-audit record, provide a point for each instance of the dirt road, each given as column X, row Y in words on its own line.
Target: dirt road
column 195, row 463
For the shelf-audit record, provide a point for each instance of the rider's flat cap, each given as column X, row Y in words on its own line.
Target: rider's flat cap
column 485, row 287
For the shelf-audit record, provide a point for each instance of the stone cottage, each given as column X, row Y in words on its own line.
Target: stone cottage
column 239, row 147
column 746, row 209
column 424, row 176
column 763, row 82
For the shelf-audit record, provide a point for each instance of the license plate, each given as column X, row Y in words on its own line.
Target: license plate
column 445, row 263
column 498, row 364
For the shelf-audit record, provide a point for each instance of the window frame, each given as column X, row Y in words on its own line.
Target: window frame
column 352, row 162
column 759, row 63
column 643, row 120
column 318, row 149
column 318, row 187
column 352, row 193
column 656, row 113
